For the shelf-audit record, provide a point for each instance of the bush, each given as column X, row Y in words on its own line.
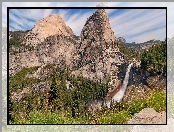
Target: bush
column 137, row 106
column 114, row 118
column 19, row 80
column 157, row 100
column 38, row 117
column 154, row 59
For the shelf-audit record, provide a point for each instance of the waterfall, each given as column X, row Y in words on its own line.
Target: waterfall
column 118, row 96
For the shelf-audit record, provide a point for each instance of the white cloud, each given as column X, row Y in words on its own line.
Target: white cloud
column 134, row 22
column 157, row 34
column 77, row 23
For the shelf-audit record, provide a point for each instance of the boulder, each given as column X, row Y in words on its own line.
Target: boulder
column 148, row 116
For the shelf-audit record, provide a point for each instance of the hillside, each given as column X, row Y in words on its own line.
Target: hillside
column 139, row 46
column 53, row 72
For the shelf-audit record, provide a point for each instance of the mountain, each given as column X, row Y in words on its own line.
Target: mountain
column 93, row 55
column 50, row 42
column 97, row 57
column 48, row 26
column 121, row 40
column 53, row 70
column 139, row 46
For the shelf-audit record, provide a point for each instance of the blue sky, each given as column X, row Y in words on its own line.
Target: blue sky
column 135, row 25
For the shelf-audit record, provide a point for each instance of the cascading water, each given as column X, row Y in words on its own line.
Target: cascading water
column 118, row 96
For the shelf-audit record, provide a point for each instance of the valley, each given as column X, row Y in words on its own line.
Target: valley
column 94, row 78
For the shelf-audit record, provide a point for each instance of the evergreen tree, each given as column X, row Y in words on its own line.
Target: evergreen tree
column 154, row 59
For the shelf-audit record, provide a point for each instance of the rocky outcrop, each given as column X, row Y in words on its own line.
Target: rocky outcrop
column 53, row 43
column 97, row 57
column 57, row 50
column 97, row 29
column 114, row 87
column 121, row 40
column 157, row 81
column 94, row 55
column 48, row 26
column 148, row 116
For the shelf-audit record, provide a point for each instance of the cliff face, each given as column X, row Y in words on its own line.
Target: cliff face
column 94, row 55
column 57, row 50
column 48, row 26
column 53, row 43
column 97, row 29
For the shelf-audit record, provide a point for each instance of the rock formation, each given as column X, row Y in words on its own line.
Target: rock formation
column 53, row 43
column 57, row 50
column 48, row 26
column 121, row 40
column 97, row 57
column 97, row 29
column 148, row 116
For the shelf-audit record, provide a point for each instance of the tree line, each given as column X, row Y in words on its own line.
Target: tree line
column 154, row 59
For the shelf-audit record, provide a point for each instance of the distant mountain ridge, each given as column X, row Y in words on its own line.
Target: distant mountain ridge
column 139, row 46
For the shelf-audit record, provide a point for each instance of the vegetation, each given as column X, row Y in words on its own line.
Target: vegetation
column 129, row 54
column 15, row 43
column 76, row 37
column 157, row 100
column 19, row 80
column 154, row 59
column 70, row 104
column 68, row 99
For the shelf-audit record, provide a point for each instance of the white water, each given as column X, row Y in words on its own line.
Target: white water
column 119, row 95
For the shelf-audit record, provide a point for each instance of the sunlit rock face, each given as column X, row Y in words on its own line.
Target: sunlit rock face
column 48, row 26
column 148, row 116
column 97, row 57
column 53, row 43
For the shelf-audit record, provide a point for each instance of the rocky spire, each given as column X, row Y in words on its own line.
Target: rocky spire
column 97, row 28
column 96, row 56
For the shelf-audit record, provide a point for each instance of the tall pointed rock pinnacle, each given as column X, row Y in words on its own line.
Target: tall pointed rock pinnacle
column 97, row 28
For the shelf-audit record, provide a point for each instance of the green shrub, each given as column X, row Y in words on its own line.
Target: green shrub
column 19, row 80
column 154, row 59
column 136, row 106
column 157, row 100
column 114, row 118
column 38, row 117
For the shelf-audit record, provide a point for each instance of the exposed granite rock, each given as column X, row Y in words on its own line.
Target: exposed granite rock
column 148, row 116
column 18, row 96
column 93, row 56
column 57, row 50
column 97, row 57
column 48, row 26
column 53, row 43
column 157, row 81
column 97, row 28
column 121, row 40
